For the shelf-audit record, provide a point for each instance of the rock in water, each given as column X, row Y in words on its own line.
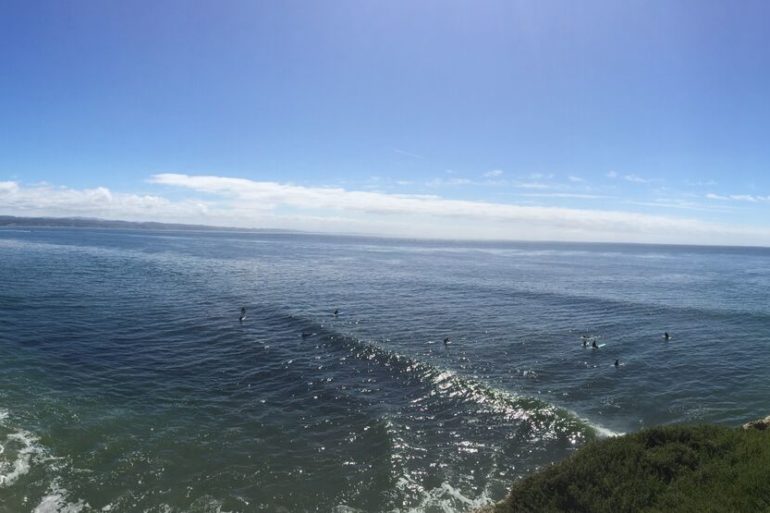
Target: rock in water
column 759, row 424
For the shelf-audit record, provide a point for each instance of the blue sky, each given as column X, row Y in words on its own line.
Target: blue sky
column 637, row 121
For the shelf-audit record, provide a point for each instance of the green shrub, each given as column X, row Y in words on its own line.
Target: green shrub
column 672, row 469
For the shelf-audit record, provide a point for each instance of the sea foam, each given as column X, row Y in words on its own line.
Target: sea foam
column 24, row 445
column 55, row 501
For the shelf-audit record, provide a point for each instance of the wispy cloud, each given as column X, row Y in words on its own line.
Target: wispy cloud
column 635, row 179
column 575, row 179
column 531, row 185
column 572, row 195
column 612, row 174
column 452, row 182
column 680, row 205
column 407, row 153
column 750, row 198
column 493, row 178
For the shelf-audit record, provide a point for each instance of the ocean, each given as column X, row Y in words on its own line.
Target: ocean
column 128, row 383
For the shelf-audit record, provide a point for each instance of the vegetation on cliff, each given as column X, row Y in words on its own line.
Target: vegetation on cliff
column 672, row 469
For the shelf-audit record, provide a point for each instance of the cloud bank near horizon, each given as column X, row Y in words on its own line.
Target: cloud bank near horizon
column 239, row 202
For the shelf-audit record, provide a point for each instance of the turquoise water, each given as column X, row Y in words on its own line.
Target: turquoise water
column 127, row 383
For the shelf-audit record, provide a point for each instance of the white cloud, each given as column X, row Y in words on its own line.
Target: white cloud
column 225, row 201
column 45, row 200
column 612, row 174
column 8, row 187
column 431, row 215
column 575, row 179
column 494, row 173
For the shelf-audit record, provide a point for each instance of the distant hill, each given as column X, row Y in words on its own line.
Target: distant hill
column 84, row 222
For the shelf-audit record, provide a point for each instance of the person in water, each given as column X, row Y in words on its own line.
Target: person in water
column 585, row 340
column 336, row 311
column 617, row 363
column 666, row 336
column 446, row 341
column 243, row 314
column 593, row 345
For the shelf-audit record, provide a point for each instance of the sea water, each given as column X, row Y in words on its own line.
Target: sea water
column 128, row 384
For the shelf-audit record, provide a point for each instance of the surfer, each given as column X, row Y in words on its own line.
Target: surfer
column 446, row 341
column 585, row 340
column 336, row 311
column 243, row 314
column 593, row 344
column 617, row 363
column 666, row 336
column 305, row 334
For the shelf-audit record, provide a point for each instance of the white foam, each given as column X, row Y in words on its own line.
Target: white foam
column 205, row 503
column 24, row 456
column 55, row 501
column 449, row 499
column 602, row 431
column 24, row 449
column 445, row 498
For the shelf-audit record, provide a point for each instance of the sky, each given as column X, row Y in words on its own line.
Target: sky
column 633, row 121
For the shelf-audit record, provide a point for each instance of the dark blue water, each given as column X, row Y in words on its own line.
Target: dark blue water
column 127, row 383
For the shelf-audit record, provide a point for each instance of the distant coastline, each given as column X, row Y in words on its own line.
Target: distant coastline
column 87, row 222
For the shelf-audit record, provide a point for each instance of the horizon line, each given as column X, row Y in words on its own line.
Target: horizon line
column 285, row 231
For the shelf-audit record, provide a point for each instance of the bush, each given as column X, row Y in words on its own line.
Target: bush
column 673, row 469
